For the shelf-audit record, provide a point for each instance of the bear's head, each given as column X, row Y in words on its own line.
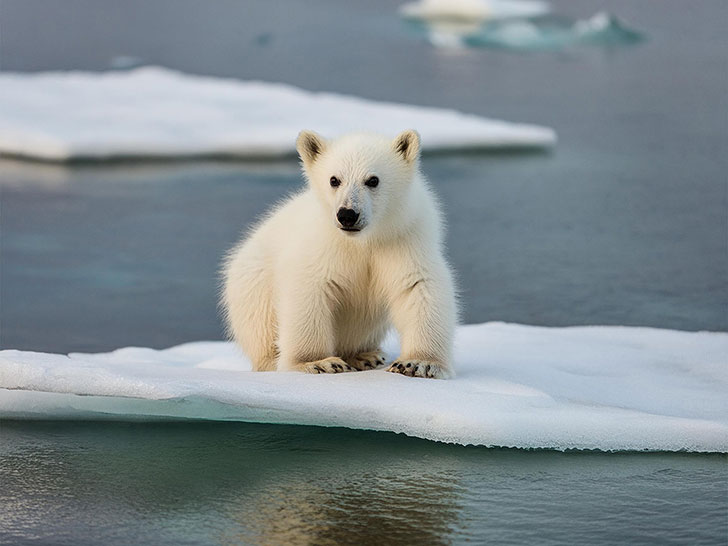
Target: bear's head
column 362, row 180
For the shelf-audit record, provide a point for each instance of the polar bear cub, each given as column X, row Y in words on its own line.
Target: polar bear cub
column 317, row 284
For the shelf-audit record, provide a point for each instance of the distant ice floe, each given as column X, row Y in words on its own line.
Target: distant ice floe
column 447, row 22
column 156, row 112
column 544, row 34
column 602, row 388
column 473, row 10
column 518, row 26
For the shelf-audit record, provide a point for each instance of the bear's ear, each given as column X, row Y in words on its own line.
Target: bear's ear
column 309, row 146
column 407, row 144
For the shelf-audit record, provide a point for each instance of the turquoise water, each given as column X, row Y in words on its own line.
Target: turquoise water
column 624, row 222
column 219, row 483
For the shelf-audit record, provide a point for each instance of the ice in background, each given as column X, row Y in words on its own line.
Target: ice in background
column 528, row 27
column 154, row 112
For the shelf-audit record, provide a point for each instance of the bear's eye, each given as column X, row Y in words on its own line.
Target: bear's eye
column 372, row 182
column 335, row 182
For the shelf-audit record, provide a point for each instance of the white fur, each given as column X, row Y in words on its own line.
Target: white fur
column 302, row 294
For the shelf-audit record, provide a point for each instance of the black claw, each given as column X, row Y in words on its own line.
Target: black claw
column 318, row 369
column 409, row 364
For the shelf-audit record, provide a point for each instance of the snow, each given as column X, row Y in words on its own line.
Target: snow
column 603, row 388
column 156, row 112
column 473, row 10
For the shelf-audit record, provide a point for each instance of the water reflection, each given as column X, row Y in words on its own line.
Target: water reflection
column 254, row 484
column 335, row 503
column 259, row 484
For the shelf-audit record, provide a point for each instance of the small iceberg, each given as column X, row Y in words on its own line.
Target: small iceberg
column 607, row 388
column 544, row 34
column 156, row 112
column 537, row 32
column 447, row 22
column 472, row 10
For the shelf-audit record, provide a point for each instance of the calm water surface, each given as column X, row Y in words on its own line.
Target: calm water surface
column 259, row 484
column 625, row 222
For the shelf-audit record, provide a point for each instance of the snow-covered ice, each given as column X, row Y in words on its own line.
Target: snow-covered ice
column 156, row 112
column 473, row 10
column 604, row 388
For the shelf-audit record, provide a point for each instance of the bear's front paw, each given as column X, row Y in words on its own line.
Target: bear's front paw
column 367, row 361
column 332, row 364
column 419, row 368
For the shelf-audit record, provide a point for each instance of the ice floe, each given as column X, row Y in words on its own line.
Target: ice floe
column 473, row 10
column 156, row 112
column 527, row 32
column 601, row 29
column 604, row 388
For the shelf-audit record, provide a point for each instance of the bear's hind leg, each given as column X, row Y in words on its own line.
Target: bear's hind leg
column 249, row 311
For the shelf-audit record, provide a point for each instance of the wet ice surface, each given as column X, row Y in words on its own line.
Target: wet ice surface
column 230, row 483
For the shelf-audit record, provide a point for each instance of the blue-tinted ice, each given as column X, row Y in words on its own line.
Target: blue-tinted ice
column 552, row 33
column 547, row 33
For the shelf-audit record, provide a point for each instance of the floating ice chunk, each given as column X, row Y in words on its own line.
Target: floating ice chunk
column 550, row 33
column 528, row 33
column 157, row 112
column 606, row 388
column 473, row 10
column 604, row 28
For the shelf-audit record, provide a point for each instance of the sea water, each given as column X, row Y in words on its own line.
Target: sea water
column 623, row 223
column 225, row 483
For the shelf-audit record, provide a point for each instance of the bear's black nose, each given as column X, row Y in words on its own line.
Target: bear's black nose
column 347, row 217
